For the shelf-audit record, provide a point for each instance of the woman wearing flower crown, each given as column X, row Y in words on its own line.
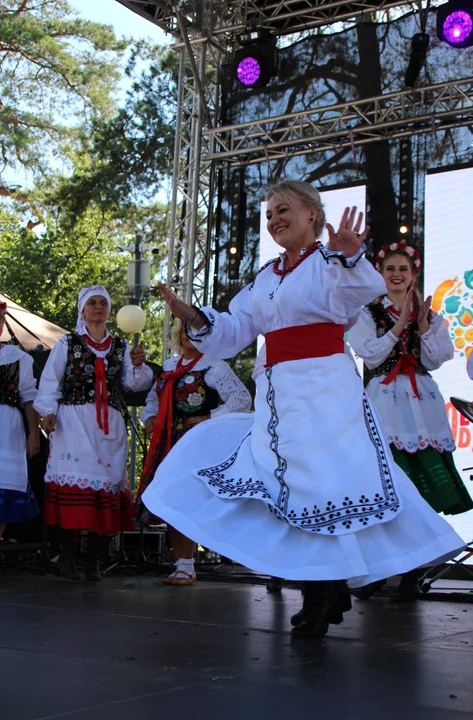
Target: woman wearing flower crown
column 191, row 389
column 304, row 488
column 17, row 392
column 400, row 341
column 80, row 399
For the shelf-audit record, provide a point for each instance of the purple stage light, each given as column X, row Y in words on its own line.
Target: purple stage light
column 457, row 27
column 248, row 71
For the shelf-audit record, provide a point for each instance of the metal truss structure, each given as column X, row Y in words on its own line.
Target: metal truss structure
column 427, row 110
column 205, row 31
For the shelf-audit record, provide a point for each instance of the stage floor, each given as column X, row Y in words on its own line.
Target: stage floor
column 129, row 649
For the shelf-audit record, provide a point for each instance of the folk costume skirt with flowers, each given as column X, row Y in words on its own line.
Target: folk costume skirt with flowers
column 191, row 397
column 304, row 488
column 86, row 479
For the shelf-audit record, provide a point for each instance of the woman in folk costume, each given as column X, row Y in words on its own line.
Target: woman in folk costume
column 192, row 388
column 80, row 399
column 304, row 488
column 17, row 392
column 400, row 341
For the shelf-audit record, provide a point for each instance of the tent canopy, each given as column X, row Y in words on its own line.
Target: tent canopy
column 30, row 329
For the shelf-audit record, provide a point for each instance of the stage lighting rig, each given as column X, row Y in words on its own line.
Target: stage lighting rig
column 455, row 23
column 257, row 60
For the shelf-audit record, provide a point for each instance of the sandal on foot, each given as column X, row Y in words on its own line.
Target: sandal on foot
column 189, row 578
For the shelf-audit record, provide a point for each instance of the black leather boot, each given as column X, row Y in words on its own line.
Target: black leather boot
column 408, row 589
column 323, row 605
column 92, row 561
column 274, row 585
column 344, row 597
column 365, row 592
column 66, row 564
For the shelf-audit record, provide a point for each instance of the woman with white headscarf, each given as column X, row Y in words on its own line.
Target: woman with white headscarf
column 80, row 399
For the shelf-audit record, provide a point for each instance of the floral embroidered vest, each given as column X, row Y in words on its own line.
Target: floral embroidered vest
column 9, row 384
column 192, row 396
column 409, row 343
column 79, row 379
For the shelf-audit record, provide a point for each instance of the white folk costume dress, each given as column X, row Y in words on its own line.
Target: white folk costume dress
column 408, row 401
column 304, row 488
column 17, row 387
column 200, row 386
column 86, row 478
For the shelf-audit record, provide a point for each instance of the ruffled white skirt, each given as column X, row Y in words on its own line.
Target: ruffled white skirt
column 305, row 488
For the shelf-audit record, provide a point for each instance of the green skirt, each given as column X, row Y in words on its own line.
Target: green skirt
column 435, row 476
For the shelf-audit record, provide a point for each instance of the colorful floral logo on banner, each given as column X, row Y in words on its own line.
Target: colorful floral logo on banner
column 453, row 299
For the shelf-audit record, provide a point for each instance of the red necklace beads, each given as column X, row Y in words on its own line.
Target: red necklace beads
column 292, row 267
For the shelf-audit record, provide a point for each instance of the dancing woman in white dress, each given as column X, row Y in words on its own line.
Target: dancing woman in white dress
column 305, row 488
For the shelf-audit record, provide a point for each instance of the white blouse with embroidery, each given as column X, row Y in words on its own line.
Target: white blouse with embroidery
column 410, row 424
column 81, row 455
column 219, row 376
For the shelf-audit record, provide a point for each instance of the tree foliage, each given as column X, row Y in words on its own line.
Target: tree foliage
column 58, row 73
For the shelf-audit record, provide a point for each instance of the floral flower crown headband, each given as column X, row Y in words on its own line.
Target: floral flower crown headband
column 402, row 247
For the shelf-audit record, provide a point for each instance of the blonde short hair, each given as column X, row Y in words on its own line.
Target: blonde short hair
column 175, row 343
column 306, row 193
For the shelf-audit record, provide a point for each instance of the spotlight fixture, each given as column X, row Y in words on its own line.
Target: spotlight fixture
column 419, row 46
column 403, row 229
column 455, row 23
column 257, row 60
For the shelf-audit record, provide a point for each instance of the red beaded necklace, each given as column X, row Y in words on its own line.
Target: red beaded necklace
column 292, row 267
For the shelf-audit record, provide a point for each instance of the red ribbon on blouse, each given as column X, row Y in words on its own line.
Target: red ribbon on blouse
column 407, row 363
column 164, row 418
column 100, row 381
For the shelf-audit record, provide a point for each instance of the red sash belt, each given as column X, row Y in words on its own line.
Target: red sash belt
column 304, row 341
column 406, row 366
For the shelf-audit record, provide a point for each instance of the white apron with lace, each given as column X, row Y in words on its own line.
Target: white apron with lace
column 13, row 462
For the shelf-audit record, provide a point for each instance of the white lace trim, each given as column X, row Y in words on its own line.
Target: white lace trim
column 446, row 444
column 10, row 354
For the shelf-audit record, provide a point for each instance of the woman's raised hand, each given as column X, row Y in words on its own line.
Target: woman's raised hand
column 348, row 239
column 137, row 355
column 179, row 309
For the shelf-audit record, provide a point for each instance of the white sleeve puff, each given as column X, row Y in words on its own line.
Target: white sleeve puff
column 436, row 346
column 349, row 284
column 234, row 394
column 52, row 379
column 373, row 350
column 27, row 382
column 151, row 406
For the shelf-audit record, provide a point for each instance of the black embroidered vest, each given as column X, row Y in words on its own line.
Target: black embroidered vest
column 79, row 379
column 409, row 343
column 9, row 384
column 192, row 396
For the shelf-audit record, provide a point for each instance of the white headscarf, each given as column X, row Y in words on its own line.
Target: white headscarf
column 84, row 295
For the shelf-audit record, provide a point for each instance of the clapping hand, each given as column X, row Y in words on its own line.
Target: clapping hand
column 423, row 314
column 348, row 239
column 137, row 355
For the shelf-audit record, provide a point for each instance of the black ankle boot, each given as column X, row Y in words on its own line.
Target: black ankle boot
column 274, row 585
column 365, row 592
column 322, row 606
column 66, row 564
column 344, row 597
column 92, row 561
column 408, row 587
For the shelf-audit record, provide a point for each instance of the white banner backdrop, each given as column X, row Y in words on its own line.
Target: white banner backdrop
column 448, row 277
